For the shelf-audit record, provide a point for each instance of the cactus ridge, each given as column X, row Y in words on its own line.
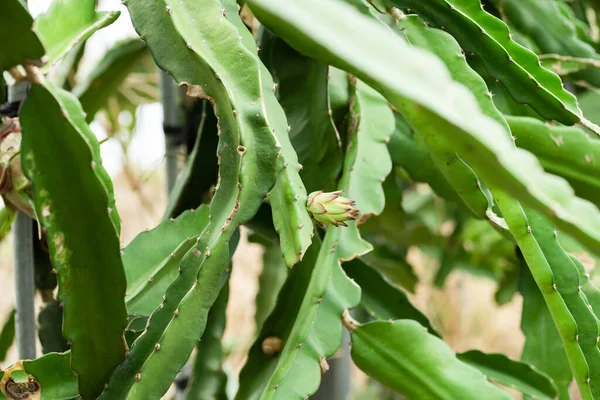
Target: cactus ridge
column 458, row 173
column 77, row 119
column 567, row 283
column 152, row 259
column 90, row 271
column 208, row 377
column 553, row 30
column 545, row 270
column 367, row 161
column 288, row 196
column 506, row 60
column 247, row 155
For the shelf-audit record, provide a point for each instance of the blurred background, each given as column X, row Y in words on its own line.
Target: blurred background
column 463, row 310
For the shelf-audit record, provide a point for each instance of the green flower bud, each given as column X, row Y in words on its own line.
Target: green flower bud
column 331, row 208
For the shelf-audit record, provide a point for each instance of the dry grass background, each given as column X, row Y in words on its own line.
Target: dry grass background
column 464, row 311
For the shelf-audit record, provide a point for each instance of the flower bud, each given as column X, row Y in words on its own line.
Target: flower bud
column 331, row 208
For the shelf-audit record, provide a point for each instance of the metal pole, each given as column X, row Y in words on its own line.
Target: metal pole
column 171, row 98
column 173, row 121
column 24, row 286
column 24, row 270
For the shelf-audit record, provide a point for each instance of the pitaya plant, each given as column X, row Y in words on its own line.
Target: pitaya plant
column 339, row 133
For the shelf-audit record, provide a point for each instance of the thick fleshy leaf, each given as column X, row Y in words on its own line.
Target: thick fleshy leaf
column 368, row 163
column 404, row 357
column 409, row 152
column 514, row 374
column 565, row 65
column 558, row 279
column 459, row 174
column 543, row 347
column 24, row 46
column 304, row 328
column 152, row 259
column 288, row 197
column 85, row 255
column 208, row 377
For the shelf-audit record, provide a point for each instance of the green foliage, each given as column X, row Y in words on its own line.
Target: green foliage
column 403, row 356
column 82, row 254
column 543, row 347
column 153, row 258
column 489, row 38
column 449, row 125
column 78, row 21
column 15, row 21
column 303, row 81
column 208, row 378
column 565, row 151
column 517, row 375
